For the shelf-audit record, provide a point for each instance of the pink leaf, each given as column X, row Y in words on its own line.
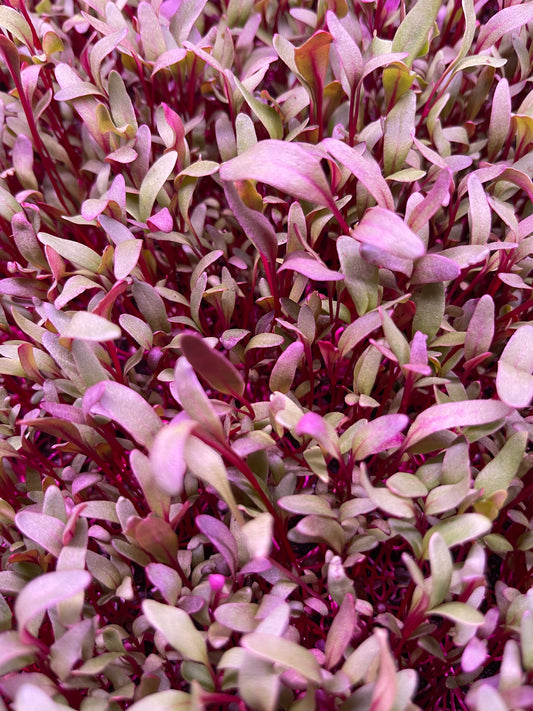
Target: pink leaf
column 315, row 426
column 385, row 686
column 126, row 407
column 340, row 632
column 385, row 230
column 365, row 169
column 358, row 330
column 514, row 378
column 285, row 367
column 289, row 167
column 167, row 456
column 221, row 537
column 46, row 591
column 438, row 196
column 479, row 215
column 378, row 435
column 507, row 20
column 432, row 268
column 480, row 330
column 449, row 415
column 305, row 264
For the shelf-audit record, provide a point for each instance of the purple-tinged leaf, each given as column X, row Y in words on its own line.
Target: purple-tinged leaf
column 45, row 530
column 306, row 504
column 340, row 632
column 168, row 59
column 381, row 60
column 289, row 167
column 101, row 49
column 384, row 691
column 124, row 406
column 14, row 653
column 313, row 425
column 365, row 168
column 474, row 655
column 184, row 18
column 23, row 287
column 221, row 537
column 212, row 366
column 448, row 415
column 79, row 254
column 304, row 263
column 166, row 580
column 348, row 51
column 507, row 20
column 379, row 258
column 514, row 377
column 285, row 368
column 413, row 33
column 500, row 119
column 438, row 196
column 431, row 268
column 151, row 305
column 152, row 37
column 378, row 435
column 357, row 331
column 479, row 214
column 157, row 500
column 45, row 592
column 386, row 231
column 161, row 222
column 167, row 456
column 178, row 629
column 191, row 396
column 257, row 533
column 257, row 228
column 15, row 23
column 480, row 331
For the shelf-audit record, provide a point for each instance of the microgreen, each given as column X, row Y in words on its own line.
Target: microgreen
column 266, row 355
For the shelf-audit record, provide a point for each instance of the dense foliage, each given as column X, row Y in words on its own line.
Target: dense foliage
column 265, row 355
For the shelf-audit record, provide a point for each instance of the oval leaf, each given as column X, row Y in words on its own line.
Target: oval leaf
column 46, row 591
column 126, row 407
column 284, row 652
column 212, row 366
column 178, row 629
column 153, row 181
column 449, row 415
column 514, row 378
column 289, row 167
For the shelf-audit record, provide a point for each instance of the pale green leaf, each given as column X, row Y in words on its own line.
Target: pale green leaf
column 459, row 612
column 91, row 327
column 178, row 629
column 153, row 181
column 283, row 652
